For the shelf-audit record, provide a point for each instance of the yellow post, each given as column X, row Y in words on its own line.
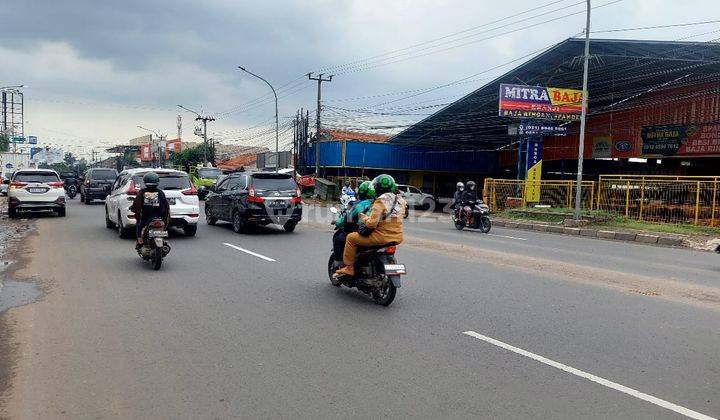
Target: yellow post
column 592, row 194
column 599, row 188
column 697, row 203
column 642, row 196
column 627, row 200
column 569, row 195
column 712, row 214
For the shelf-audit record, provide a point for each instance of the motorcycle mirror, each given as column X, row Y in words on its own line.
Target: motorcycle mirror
column 333, row 210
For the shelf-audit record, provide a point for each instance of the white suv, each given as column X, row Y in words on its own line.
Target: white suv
column 35, row 189
column 415, row 197
column 182, row 195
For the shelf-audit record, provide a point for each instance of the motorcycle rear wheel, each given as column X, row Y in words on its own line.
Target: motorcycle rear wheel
column 157, row 258
column 485, row 224
column 386, row 295
column 331, row 271
column 459, row 224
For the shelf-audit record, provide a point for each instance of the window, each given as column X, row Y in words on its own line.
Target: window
column 414, row 190
column 103, row 174
column 209, row 173
column 37, row 177
column 222, row 186
column 273, row 182
column 238, row 183
column 168, row 181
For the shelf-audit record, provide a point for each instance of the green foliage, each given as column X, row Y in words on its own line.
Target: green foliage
column 70, row 159
column 191, row 157
column 4, row 143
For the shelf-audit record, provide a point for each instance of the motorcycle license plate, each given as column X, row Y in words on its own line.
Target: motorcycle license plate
column 395, row 269
column 158, row 234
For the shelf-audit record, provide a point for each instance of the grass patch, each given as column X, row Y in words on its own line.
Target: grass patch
column 606, row 220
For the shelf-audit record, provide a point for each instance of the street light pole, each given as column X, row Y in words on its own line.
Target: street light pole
column 160, row 150
column 277, row 125
column 583, row 116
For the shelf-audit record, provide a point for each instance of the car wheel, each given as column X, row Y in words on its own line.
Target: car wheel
column 108, row 223
column 61, row 212
column 238, row 222
column 123, row 232
column 190, row 230
column 12, row 213
column 208, row 216
column 290, row 225
column 87, row 200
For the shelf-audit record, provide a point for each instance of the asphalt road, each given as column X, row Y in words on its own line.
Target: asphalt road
column 562, row 327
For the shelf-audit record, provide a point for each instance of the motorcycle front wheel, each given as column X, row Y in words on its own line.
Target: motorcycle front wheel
column 72, row 192
column 157, row 258
column 485, row 224
column 459, row 224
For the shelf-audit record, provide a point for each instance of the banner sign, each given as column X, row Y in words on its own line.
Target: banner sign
column 623, row 148
column 680, row 140
column 601, row 147
column 17, row 139
column 533, row 166
column 49, row 156
column 545, row 103
column 541, row 129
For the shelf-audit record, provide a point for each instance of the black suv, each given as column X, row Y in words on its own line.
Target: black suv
column 259, row 198
column 96, row 184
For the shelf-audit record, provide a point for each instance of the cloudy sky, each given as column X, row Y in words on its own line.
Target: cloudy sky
column 96, row 69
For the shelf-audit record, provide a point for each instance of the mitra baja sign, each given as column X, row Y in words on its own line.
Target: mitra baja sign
column 680, row 140
column 537, row 102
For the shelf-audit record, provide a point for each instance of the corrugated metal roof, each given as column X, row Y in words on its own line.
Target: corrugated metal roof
column 620, row 72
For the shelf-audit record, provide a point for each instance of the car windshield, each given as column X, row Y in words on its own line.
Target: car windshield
column 273, row 182
column 168, row 182
column 103, row 174
column 38, row 177
column 209, row 173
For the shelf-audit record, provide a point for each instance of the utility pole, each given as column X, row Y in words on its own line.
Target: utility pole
column 319, row 80
column 583, row 116
column 204, row 119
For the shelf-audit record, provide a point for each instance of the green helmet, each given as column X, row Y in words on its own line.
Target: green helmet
column 366, row 191
column 151, row 179
column 384, row 183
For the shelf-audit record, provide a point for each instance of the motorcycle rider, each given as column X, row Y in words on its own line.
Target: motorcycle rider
column 347, row 189
column 457, row 199
column 469, row 197
column 385, row 219
column 150, row 203
column 348, row 223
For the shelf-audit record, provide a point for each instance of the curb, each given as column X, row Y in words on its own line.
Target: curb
column 644, row 238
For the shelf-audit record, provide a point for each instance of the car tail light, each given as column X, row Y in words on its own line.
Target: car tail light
column 16, row 185
column 132, row 188
column 157, row 224
column 56, row 184
column 190, row 191
column 296, row 200
column 390, row 249
column 87, row 182
column 194, row 215
column 253, row 198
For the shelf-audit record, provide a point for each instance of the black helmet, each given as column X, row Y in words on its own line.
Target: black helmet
column 151, row 180
column 384, row 184
column 471, row 185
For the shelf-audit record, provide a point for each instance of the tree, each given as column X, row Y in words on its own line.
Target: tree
column 70, row 159
column 190, row 157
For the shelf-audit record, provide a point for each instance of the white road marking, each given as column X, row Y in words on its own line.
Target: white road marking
column 629, row 391
column 508, row 237
column 247, row 251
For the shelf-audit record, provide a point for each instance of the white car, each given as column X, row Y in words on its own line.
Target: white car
column 415, row 197
column 182, row 195
column 35, row 190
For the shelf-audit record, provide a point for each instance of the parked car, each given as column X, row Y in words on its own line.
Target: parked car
column 415, row 197
column 259, row 198
column 35, row 190
column 4, row 182
column 181, row 194
column 95, row 183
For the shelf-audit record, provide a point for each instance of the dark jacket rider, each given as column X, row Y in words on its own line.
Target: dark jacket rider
column 150, row 203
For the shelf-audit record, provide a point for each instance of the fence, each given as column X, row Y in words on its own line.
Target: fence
column 661, row 199
column 510, row 193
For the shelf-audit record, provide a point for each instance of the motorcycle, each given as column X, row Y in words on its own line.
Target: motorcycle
column 71, row 188
column 155, row 246
column 377, row 273
column 474, row 215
